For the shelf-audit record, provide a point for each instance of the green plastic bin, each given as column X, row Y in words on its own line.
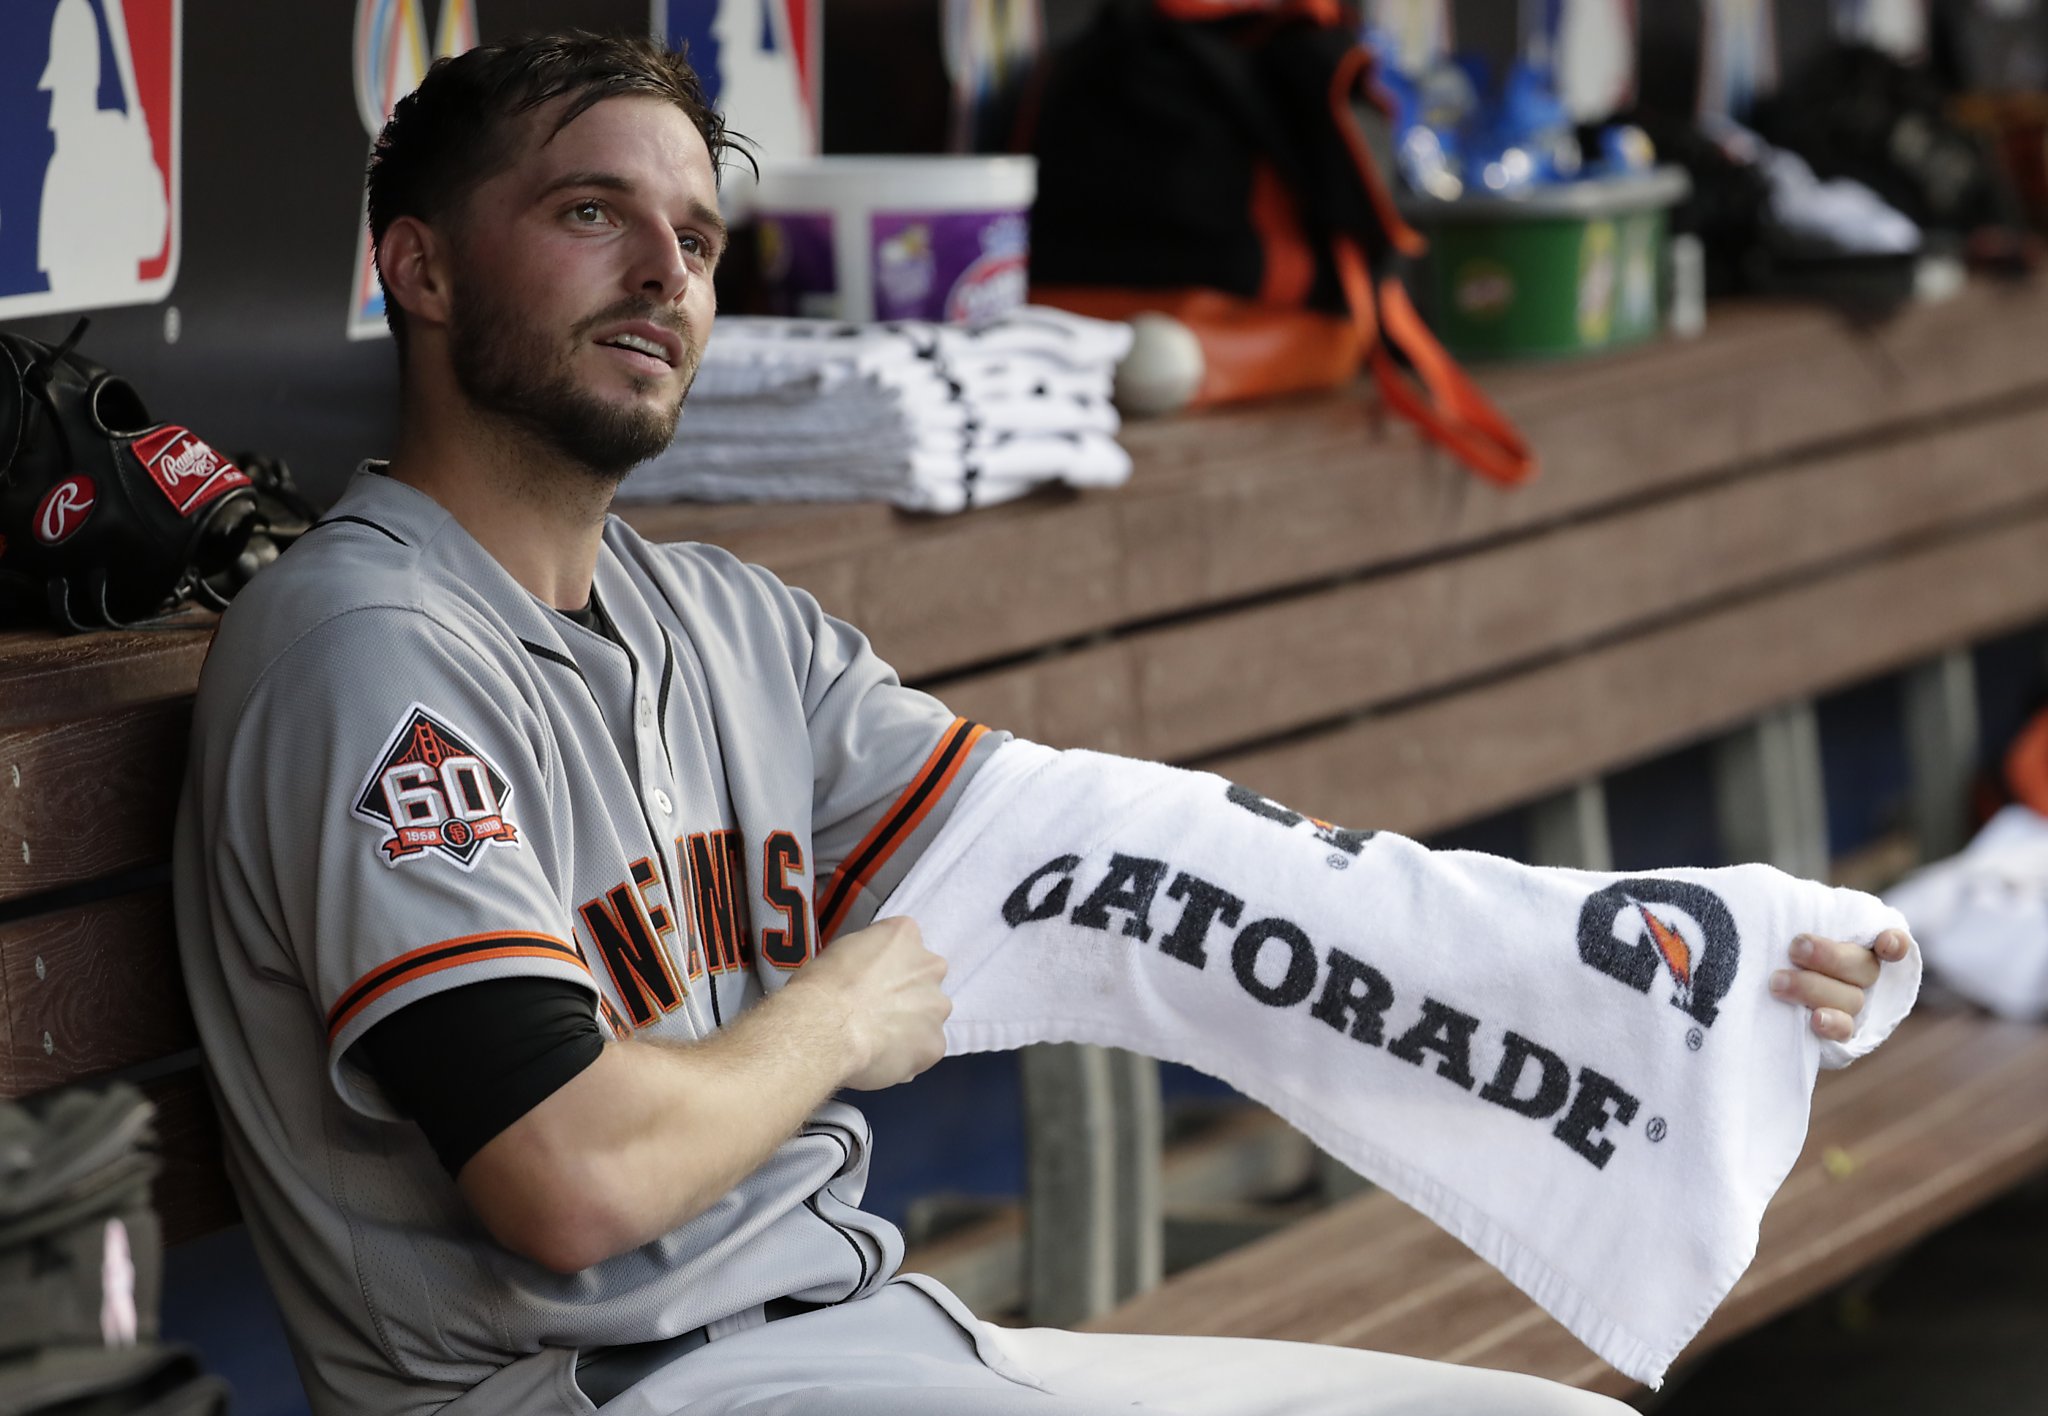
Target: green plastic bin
column 1571, row 269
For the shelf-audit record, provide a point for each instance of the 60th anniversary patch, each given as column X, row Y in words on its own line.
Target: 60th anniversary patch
column 433, row 791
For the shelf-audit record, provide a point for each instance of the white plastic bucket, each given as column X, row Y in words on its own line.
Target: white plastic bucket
column 896, row 238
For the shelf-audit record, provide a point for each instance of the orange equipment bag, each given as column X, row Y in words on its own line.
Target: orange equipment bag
column 1205, row 159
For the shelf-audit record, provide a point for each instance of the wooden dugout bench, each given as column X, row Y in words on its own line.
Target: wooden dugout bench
column 1302, row 598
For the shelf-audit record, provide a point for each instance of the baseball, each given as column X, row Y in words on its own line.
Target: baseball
column 1164, row 369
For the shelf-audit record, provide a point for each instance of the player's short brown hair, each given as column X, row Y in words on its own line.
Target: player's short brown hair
column 455, row 130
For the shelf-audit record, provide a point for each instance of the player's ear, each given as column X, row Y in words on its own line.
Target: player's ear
column 413, row 259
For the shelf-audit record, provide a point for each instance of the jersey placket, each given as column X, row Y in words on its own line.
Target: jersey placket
column 625, row 681
column 711, row 876
column 674, row 812
column 703, row 867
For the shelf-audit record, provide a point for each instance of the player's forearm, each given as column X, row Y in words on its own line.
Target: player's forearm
column 652, row 1134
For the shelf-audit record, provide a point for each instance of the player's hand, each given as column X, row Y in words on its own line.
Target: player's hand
column 1831, row 976
column 888, row 984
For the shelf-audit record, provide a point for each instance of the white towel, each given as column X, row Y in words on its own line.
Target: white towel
column 1982, row 915
column 931, row 417
column 994, row 469
column 1582, row 1076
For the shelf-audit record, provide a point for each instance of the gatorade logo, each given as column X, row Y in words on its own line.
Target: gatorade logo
column 1347, row 841
column 1636, row 930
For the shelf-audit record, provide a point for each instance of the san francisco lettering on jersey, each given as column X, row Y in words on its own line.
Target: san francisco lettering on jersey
column 629, row 932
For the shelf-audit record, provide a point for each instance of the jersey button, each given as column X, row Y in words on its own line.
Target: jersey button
column 662, row 803
column 646, row 713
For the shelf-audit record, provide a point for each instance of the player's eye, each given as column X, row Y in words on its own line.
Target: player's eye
column 691, row 244
column 589, row 212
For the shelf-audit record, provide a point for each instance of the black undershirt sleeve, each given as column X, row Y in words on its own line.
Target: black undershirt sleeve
column 467, row 1062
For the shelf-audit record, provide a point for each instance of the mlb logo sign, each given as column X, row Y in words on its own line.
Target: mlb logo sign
column 759, row 63
column 89, row 153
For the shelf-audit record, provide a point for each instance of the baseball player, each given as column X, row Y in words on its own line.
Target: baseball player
column 511, row 843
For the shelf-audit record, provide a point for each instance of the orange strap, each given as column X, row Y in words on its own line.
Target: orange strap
column 1456, row 415
column 1290, row 262
column 1352, row 69
column 1448, row 408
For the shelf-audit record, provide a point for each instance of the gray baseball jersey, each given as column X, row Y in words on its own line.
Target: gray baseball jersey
column 407, row 774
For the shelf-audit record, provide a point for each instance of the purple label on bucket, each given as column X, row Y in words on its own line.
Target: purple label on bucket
column 948, row 265
column 796, row 264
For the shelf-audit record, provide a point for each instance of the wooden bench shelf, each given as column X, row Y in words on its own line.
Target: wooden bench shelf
column 1201, row 685
column 1301, row 596
column 1450, row 759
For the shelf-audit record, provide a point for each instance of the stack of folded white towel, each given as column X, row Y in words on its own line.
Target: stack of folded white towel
column 931, row 417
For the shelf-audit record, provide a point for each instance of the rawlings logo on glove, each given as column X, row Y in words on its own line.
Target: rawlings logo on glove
column 109, row 518
column 64, row 510
column 188, row 472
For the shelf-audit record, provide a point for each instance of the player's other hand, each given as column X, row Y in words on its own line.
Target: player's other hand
column 1831, row 976
column 895, row 1014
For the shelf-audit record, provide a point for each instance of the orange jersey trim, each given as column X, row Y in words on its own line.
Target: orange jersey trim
column 898, row 822
column 448, row 954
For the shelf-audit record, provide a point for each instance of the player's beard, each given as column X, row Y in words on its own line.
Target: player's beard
column 509, row 367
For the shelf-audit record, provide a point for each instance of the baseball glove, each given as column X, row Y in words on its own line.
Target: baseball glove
column 110, row 519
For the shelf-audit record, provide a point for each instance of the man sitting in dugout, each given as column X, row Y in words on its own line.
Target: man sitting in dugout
column 453, row 759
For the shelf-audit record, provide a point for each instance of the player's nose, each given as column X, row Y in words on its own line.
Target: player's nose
column 659, row 268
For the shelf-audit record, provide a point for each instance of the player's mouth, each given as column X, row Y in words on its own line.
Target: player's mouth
column 649, row 347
